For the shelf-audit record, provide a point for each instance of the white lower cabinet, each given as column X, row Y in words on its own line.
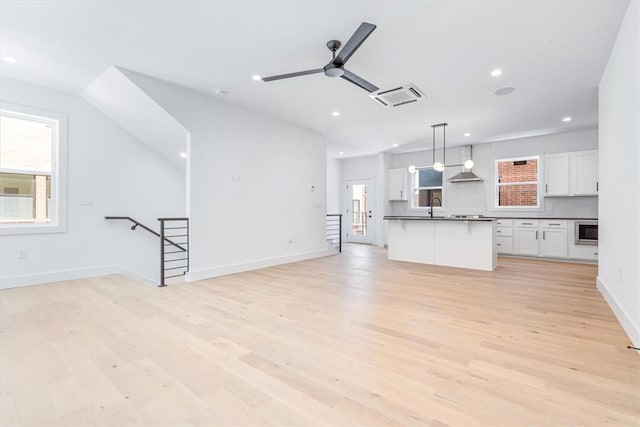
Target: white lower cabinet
column 554, row 243
column 577, row 250
column 505, row 244
column 504, row 236
column 526, row 241
column 538, row 238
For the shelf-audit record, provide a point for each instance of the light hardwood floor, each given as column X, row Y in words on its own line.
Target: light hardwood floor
column 352, row 339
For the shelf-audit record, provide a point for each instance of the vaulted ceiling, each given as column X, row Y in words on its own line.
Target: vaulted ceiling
column 552, row 52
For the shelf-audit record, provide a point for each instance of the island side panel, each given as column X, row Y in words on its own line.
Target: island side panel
column 466, row 244
column 411, row 241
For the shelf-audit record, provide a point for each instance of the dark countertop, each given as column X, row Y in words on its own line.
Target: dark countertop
column 485, row 218
column 543, row 217
column 437, row 218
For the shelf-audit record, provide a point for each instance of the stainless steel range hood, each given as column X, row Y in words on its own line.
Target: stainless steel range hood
column 465, row 175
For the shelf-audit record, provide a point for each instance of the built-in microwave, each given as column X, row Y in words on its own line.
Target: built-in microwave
column 586, row 233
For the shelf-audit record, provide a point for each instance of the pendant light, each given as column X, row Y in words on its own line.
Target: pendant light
column 439, row 166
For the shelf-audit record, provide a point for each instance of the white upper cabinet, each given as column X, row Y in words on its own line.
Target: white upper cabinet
column 584, row 173
column 556, row 174
column 571, row 174
column 397, row 184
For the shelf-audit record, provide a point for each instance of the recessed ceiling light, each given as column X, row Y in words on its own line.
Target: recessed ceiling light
column 256, row 77
column 566, row 119
column 467, row 134
column 10, row 59
column 496, row 72
column 395, row 145
column 183, row 155
column 505, row 91
column 335, row 113
column 219, row 92
column 342, row 152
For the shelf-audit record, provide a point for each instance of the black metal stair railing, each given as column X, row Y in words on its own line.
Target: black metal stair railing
column 334, row 230
column 173, row 263
column 174, row 244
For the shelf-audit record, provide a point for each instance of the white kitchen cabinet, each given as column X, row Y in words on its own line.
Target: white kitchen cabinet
column 571, row 174
column 547, row 238
column 397, row 184
column 584, row 173
column 554, row 243
column 526, row 241
column 504, row 236
column 577, row 250
column 583, row 252
column 556, row 174
column 504, row 244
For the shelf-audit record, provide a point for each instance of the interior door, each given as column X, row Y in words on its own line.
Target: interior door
column 360, row 203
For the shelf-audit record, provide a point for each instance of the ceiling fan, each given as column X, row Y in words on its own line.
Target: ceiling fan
column 335, row 68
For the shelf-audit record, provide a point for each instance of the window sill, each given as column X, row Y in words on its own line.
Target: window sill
column 517, row 209
column 17, row 229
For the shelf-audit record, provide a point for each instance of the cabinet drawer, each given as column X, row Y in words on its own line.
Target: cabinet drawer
column 504, row 222
column 526, row 223
column 553, row 224
column 505, row 244
column 504, row 231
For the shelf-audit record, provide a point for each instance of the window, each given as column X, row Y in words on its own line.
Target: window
column 427, row 187
column 517, row 182
column 31, row 182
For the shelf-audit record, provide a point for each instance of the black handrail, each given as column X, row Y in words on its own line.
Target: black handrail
column 331, row 232
column 138, row 224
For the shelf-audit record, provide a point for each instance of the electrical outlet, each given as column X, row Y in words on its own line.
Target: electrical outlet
column 620, row 274
column 22, row 254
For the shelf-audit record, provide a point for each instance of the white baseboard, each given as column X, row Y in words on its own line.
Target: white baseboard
column 57, row 276
column 139, row 278
column 223, row 270
column 9, row 282
column 632, row 330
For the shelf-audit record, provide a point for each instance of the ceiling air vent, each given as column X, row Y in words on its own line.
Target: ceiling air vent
column 398, row 95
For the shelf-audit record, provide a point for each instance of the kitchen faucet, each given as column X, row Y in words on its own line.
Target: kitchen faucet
column 431, row 204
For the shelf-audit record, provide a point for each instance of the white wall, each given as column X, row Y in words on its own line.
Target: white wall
column 619, row 111
column 478, row 197
column 251, row 184
column 335, row 184
column 126, row 104
column 122, row 175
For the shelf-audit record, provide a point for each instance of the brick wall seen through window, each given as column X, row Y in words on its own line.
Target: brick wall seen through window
column 517, row 182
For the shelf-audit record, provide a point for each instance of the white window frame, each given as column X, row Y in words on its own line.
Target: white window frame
column 58, row 212
column 414, row 187
column 497, row 185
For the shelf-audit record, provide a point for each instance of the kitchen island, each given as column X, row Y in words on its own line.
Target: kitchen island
column 453, row 242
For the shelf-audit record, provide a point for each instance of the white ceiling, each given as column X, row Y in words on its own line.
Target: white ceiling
column 552, row 52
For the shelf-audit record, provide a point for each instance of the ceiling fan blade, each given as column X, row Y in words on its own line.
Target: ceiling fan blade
column 364, row 30
column 286, row 76
column 359, row 81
